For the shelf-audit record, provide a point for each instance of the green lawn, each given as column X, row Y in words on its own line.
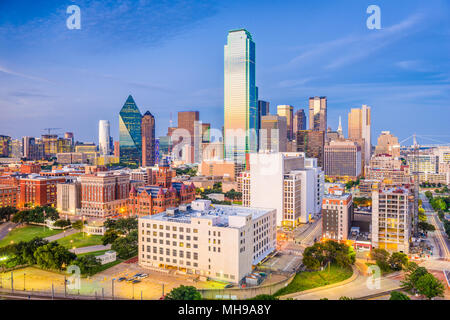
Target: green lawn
column 80, row 240
column 95, row 253
column 309, row 280
column 27, row 233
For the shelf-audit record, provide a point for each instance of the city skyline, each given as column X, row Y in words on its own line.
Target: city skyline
column 289, row 74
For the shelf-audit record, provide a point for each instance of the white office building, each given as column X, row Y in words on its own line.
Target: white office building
column 219, row 242
column 287, row 182
column 104, row 137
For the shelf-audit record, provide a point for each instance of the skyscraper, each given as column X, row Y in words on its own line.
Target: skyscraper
column 272, row 135
column 359, row 127
column 189, row 139
column 388, row 144
column 288, row 112
column 263, row 110
column 148, row 139
column 130, row 133
column 312, row 143
column 318, row 114
column 240, row 96
column 299, row 121
column 104, row 137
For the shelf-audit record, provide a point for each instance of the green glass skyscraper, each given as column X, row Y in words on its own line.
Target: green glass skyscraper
column 130, row 133
column 240, row 97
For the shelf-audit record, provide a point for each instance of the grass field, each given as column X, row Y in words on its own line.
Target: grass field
column 95, row 253
column 26, row 234
column 309, row 280
column 80, row 240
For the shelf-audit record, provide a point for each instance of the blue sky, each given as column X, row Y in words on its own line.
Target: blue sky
column 169, row 56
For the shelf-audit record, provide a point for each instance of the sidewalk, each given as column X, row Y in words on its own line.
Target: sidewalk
column 4, row 228
column 90, row 249
column 61, row 235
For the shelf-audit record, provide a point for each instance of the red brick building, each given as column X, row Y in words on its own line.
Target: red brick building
column 155, row 199
column 30, row 168
column 8, row 196
column 104, row 194
column 39, row 190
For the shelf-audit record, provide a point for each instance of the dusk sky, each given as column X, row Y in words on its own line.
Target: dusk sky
column 169, row 56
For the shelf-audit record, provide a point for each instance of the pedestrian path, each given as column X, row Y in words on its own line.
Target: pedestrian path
column 90, row 249
column 61, row 235
column 4, row 229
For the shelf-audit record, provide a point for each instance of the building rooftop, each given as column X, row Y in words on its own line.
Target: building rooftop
column 220, row 215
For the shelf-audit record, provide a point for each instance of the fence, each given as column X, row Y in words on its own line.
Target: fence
column 90, row 289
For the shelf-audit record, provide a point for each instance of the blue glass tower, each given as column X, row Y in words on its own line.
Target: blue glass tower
column 130, row 138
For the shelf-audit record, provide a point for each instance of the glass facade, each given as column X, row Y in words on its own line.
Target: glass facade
column 240, row 96
column 130, row 133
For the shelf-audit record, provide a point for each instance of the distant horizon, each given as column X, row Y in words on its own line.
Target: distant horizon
column 51, row 76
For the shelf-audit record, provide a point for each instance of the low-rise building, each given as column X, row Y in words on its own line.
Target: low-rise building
column 8, row 196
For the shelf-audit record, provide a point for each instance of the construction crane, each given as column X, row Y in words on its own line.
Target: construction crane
column 50, row 129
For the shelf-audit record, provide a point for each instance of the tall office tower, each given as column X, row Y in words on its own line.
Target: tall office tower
column 388, row 144
column 54, row 145
column 117, row 149
column 272, row 135
column 343, row 159
column 392, row 212
column 148, row 139
column 189, row 136
column 318, row 114
column 299, row 122
column 5, row 146
column 16, row 148
column 104, row 137
column 130, row 133
column 288, row 112
column 29, row 148
column 263, row 110
column 359, row 127
column 312, row 143
column 240, row 97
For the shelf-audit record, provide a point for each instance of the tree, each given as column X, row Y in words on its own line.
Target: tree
column 78, row 225
column 345, row 298
column 429, row 286
column 53, row 256
column 184, row 293
column 7, row 212
column 88, row 264
column 395, row 295
column 62, row 223
column 109, row 237
column 397, row 261
column 413, row 273
column 425, row 226
column 126, row 247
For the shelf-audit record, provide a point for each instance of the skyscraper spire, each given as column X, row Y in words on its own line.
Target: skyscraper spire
column 339, row 130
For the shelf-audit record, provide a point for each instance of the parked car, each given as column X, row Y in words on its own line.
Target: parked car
column 121, row 279
column 143, row 276
column 228, row 286
column 135, row 281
